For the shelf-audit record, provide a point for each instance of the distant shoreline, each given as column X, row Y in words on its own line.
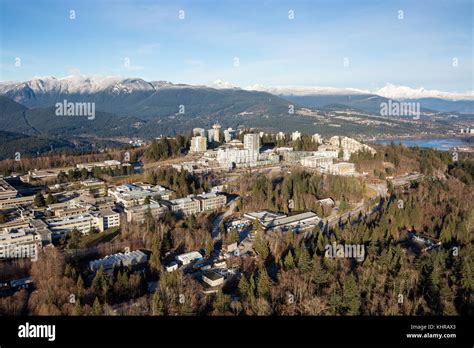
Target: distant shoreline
column 437, row 143
column 463, row 137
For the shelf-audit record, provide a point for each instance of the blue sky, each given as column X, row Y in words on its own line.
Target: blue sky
column 309, row 50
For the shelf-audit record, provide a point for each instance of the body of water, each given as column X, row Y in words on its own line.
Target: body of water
column 443, row 144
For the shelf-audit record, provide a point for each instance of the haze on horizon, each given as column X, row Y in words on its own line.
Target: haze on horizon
column 361, row 44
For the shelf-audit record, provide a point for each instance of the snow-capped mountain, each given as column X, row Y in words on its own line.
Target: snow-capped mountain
column 402, row 92
column 220, row 84
column 306, row 90
column 370, row 100
column 139, row 97
column 388, row 91
column 78, row 85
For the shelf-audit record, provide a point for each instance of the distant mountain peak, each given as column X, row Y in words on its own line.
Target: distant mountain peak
column 390, row 90
column 393, row 91
column 306, row 90
column 221, row 84
column 80, row 84
column 83, row 84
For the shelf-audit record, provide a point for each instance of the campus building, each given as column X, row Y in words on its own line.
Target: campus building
column 19, row 243
column 138, row 213
column 198, row 144
column 211, row 201
column 127, row 259
column 129, row 195
column 252, row 142
column 187, row 205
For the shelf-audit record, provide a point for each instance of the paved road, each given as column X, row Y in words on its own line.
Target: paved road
column 332, row 221
column 380, row 189
column 405, row 179
column 217, row 220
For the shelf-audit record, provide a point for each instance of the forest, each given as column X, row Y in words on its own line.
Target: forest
column 290, row 274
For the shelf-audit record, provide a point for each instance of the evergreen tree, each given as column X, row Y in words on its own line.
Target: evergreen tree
column 209, row 246
column 157, row 304
column 39, row 200
column 261, row 247
column 252, row 288
column 80, row 285
column 288, row 262
column 335, row 302
column 351, row 295
column 220, row 303
column 77, row 308
column 304, row 261
column 97, row 307
column 155, row 262
column 263, row 283
column 50, row 199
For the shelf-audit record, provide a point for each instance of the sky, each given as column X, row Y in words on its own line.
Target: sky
column 362, row 44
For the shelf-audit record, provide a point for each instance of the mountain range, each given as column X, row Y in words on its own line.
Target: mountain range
column 148, row 99
column 134, row 108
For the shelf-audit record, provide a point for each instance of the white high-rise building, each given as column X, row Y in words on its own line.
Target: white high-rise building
column 229, row 134
column 317, row 161
column 217, row 130
column 280, row 136
column 334, row 141
column 210, row 135
column 198, row 144
column 252, row 142
column 316, row 138
column 295, row 136
column 199, row 131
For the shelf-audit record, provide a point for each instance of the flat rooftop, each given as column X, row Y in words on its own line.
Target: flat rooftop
column 264, row 215
column 309, row 215
column 212, row 275
column 6, row 187
column 145, row 207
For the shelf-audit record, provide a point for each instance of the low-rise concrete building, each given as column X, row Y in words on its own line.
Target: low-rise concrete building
column 173, row 266
column 84, row 223
column 127, row 259
column 105, row 164
column 16, row 202
column 187, row 205
column 342, row 168
column 107, row 218
column 19, row 243
column 212, row 278
column 276, row 221
column 7, row 191
column 316, row 161
column 187, row 258
column 138, row 213
column 129, row 195
column 211, row 201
